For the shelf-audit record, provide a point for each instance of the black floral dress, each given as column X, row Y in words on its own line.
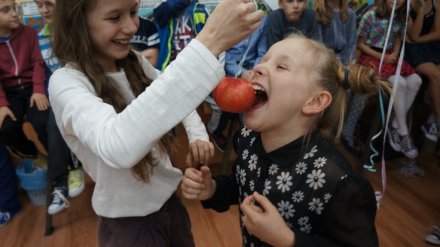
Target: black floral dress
column 320, row 198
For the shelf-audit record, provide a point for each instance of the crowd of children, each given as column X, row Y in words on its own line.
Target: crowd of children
column 113, row 107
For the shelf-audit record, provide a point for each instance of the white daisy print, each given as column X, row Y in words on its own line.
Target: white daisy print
column 320, row 162
column 344, row 177
column 298, row 196
column 258, row 171
column 273, row 169
column 284, row 181
column 242, row 177
column 311, row 153
column 316, row 179
column 252, row 141
column 303, row 220
column 252, row 185
column 316, row 205
column 253, row 162
column 307, row 228
column 327, row 197
column 267, row 187
column 245, row 132
column 286, row 209
column 301, row 168
column 245, row 154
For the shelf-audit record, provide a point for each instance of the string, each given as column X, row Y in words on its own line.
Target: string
column 247, row 50
column 378, row 194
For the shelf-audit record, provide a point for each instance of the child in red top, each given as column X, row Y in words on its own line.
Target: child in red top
column 22, row 76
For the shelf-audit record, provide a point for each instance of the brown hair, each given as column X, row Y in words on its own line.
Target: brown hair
column 329, row 74
column 72, row 44
column 323, row 11
column 382, row 10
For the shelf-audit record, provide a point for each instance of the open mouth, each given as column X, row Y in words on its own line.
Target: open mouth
column 260, row 95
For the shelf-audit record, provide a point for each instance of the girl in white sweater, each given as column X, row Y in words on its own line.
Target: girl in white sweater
column 114, row 111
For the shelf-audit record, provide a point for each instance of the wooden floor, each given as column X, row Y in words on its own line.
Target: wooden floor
column 409, row 207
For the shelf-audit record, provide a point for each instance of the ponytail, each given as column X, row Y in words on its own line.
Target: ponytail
column 334, row 77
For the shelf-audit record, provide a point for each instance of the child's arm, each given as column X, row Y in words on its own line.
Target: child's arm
column 200, row 149
column 198, row 184
column 122, row 139
column 434, row 35
column 38, row 98
column 415, row 26
column 364, row 48
column 39, row 67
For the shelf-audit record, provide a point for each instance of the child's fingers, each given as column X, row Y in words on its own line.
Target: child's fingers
column 11, row 115
column 193, row 174
column 208, row 149
column 206, row 173
column 265, row 204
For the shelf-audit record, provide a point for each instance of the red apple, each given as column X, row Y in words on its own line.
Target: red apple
column 234, row 95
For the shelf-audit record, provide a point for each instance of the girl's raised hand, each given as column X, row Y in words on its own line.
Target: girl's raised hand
column 198, row 184
column 200, row 152
column 40, row 101
column 230, row 22
column 265, row 222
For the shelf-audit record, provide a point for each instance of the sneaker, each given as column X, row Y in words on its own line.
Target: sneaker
column 394, row 138
column 407, row 147
column 4, row 218
column 219, row 141
column 76, row 182
column 430, row 131
column 434, row 237
column 59, row 200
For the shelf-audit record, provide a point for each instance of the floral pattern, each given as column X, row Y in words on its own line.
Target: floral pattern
column 299, row 188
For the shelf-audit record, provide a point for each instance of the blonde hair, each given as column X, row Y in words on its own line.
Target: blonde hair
column 329, row 74
column 324, row 11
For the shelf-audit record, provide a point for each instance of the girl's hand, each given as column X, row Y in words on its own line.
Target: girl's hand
column 198, row 185
column 6, row 112
column 265, row 222
column 40, row 100
column 200, row 152
column 391, row 58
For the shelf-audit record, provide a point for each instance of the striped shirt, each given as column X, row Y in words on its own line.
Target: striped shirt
column 45, row 44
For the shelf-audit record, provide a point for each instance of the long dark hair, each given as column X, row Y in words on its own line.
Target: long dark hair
column 72, row 44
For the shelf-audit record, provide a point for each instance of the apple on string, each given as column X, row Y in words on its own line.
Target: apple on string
column 234, row 95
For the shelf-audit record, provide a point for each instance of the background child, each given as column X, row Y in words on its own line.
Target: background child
column 294, row 188
column 291, row 17
column 337, row 29
column 176, row 30
column 59, row 156
column 146, row 40
column 372, row 32
column 114, row 111
column 22, row 77
column 423, row 52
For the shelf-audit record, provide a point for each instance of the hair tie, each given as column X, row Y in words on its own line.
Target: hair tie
column 346, row 84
